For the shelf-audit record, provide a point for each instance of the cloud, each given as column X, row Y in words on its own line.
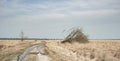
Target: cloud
column 48, row 10
column 15, row 7
column 54, row 15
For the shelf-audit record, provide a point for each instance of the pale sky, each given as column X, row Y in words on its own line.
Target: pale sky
column 99, row 19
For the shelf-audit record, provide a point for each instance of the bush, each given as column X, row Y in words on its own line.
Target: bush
column 76, row 36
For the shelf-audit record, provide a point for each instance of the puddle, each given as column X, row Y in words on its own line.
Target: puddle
column 26, row 56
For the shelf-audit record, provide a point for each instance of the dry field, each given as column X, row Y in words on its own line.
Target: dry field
column 95, row 50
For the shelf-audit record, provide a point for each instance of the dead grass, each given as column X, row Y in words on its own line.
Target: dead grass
column 92, row 51
column 11, row 48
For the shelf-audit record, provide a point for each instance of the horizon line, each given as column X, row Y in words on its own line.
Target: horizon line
column 48, row 39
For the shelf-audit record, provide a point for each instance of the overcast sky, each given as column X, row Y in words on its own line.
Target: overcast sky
column 99, row 19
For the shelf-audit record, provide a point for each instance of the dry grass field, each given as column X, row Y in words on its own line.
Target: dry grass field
column 95, row 50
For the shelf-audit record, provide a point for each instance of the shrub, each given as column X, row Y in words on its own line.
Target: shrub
column 76, row 36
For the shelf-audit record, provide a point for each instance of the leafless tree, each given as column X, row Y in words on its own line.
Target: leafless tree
column 22, row 36
column 76, row 35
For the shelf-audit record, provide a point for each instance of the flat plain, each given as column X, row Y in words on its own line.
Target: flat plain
column 95, row 50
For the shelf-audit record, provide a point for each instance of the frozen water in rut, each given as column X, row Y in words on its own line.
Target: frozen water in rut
column 40, row 56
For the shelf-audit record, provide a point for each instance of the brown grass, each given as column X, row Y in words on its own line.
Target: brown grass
column 100, row 50
column 93, row 51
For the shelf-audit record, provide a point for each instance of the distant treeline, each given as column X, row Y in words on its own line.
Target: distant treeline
column 28, row 39
column 46, row 39
column 104, row 39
